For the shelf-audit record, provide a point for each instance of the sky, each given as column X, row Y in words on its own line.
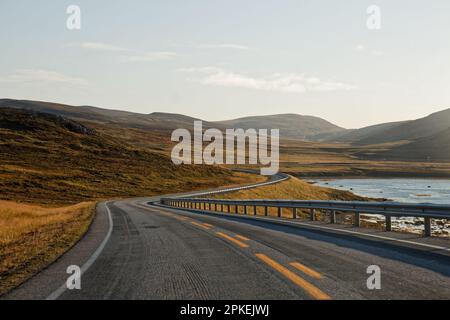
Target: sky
column 219, row 60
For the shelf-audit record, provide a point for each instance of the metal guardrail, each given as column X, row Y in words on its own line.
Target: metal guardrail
column 387, row 209
column 275, row 179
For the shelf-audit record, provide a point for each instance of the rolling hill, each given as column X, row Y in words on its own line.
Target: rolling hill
column 152, row 131
column 293, row 126
column 47, row 158
column 409, row 130
column 356, row 135
column 159, row 121
column 432, row 148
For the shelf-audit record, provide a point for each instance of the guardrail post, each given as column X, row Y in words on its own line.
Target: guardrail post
column 279, row 212
column 266, row 211
column 388, row 223
column 236, row 209
column 245, row 209
column 294, row 213
column 255, row 211
column 427, row 227
column 357, row 222
column 332, row 216
column 312, row 215
column 229, row 208
column 221, row 207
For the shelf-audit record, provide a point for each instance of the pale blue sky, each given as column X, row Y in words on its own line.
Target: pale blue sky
column 225, row 59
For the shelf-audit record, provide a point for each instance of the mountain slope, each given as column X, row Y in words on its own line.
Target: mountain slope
column 410, row 130
column 292, row 126
column 155, row 121
column 357, row 135
column 46, row 158
column 432, row 148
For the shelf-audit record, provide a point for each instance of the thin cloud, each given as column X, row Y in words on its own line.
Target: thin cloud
column 42, row 76
column 98, row 46
column 128, row 55
column 149, row 56
column 290, row 83
column 223, row 46
column 363, row 48
column 360, row 47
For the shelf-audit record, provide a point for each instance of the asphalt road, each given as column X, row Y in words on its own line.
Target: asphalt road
column 154, row 252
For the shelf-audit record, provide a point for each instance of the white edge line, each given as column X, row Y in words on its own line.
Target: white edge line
column 58, row 292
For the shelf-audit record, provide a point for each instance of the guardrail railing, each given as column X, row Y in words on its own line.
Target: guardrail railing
column 387, row 209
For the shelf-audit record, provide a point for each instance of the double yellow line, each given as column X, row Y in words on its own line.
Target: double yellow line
column 240, row 240
column 312, row 290
column 231, row 239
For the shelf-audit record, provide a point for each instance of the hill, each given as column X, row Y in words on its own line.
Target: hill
column 293, row 126
column 46, row 158
column 432, row 148
column 159, row 121
column 410, row 130
column 357, row 135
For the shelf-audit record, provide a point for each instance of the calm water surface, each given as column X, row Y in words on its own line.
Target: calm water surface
column 403, row 190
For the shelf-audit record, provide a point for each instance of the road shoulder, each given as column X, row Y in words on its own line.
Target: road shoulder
column 43, row 284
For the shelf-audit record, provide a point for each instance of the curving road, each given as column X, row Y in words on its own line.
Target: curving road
column 153, row 252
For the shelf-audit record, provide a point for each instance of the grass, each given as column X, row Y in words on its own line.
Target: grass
column 56, row 161
column 31, row 237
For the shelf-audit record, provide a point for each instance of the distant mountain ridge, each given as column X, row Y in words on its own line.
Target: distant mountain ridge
column 291, row 125
column 422, row 139
column 412, row 130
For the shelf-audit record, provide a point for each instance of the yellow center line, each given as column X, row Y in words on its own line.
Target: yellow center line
column 310, row 272
column 200, row 225
column 235, row 241
column 180, row 218
column 242, row 237
column 208, row 225
column 313, row 291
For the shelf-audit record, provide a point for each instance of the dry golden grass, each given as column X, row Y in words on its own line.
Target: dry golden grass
column 31, row 237
column 292, row 189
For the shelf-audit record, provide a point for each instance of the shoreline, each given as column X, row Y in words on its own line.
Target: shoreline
column 367, row 178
